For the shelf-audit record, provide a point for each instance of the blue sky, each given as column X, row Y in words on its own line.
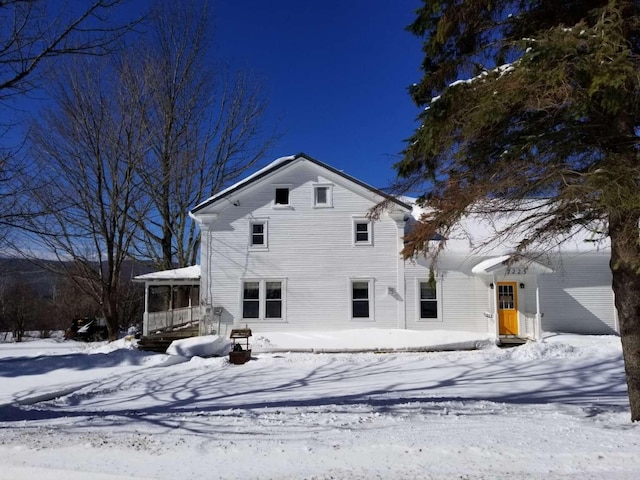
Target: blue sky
column 336, row 72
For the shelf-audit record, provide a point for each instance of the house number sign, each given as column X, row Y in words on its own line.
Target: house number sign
column 516, row 271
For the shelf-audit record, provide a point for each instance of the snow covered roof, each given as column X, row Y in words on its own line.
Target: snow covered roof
column 283, row 162
column 502, row 262
column 484, row 233
column 177, row 274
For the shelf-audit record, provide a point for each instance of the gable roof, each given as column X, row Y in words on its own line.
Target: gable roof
column 283, row 162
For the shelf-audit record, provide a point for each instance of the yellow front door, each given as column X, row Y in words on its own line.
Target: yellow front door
column 508, row 308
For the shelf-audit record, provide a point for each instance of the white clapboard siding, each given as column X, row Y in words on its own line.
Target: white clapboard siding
column 310, row 249
column 462, row 298
column 578, row 298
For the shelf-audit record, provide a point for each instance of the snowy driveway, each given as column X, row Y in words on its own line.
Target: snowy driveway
column 553, row 410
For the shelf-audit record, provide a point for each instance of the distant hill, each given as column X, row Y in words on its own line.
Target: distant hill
column 43, row 280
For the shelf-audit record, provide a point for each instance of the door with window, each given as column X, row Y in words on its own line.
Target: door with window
column 508, row 308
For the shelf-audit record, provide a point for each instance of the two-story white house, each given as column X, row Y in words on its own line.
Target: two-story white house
column 291, row 247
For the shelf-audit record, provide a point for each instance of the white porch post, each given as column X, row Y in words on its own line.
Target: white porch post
column 496, row 320
column 538, row 326
column 145, row 315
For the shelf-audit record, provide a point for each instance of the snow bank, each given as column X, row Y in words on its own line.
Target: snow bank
column 373, row 339
column 205, row 346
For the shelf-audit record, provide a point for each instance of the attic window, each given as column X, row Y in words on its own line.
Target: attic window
column 322, row 196
column 282, row 196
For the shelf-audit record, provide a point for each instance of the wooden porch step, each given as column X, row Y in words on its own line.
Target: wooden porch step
column 511, row 341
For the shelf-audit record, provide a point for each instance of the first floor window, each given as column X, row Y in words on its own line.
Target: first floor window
column 262, row 299
column 273, row 300
column 251, row 300
column 360, row 299
column 428, row 300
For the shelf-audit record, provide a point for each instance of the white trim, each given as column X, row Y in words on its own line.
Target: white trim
column 262, row 300
column 439, row 318
column 371, row 299
column 358, row 221
column 329, row 203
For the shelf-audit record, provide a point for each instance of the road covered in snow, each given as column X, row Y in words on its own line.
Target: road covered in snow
column 556, row 409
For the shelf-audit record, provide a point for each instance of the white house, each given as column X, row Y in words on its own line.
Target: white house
column 291, row 247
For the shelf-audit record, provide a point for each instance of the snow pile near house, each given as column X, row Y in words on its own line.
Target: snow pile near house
column 373, row 339
column 205, row 346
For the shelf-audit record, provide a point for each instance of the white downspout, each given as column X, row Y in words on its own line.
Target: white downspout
column 203, row 221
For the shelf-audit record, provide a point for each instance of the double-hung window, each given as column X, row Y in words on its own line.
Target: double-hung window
column 362, row 231
column 251, row 300
column 428, row 300
column 262, row 299
column 273, row 300
column 258, row 235
column 361, row 299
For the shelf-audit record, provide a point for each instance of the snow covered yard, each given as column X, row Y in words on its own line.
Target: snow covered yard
column 557, row 409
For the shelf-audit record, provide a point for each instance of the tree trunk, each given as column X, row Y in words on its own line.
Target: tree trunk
column 625, row 251
column 110, row 312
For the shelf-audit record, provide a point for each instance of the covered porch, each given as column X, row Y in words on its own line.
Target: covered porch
column 514, row 296
column 172, row 301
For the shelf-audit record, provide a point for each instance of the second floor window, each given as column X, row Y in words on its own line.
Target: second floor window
column 362, row 232
column 258, row 235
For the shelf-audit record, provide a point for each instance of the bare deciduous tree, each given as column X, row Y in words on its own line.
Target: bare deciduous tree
column 207, row 125
column 89, row 151
column 34, row 31
column 20, row 309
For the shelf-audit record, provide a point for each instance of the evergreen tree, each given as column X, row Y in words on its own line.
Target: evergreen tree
column 533, row 99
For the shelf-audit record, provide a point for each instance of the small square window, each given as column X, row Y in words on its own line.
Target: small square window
column 322, row 196
column 282, row 196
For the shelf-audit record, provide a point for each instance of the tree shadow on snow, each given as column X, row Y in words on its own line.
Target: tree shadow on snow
column 186, row 397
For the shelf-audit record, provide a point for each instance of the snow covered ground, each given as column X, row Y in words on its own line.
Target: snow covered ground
column 553, row 410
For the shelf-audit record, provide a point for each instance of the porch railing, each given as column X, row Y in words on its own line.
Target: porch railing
column 178, row 317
